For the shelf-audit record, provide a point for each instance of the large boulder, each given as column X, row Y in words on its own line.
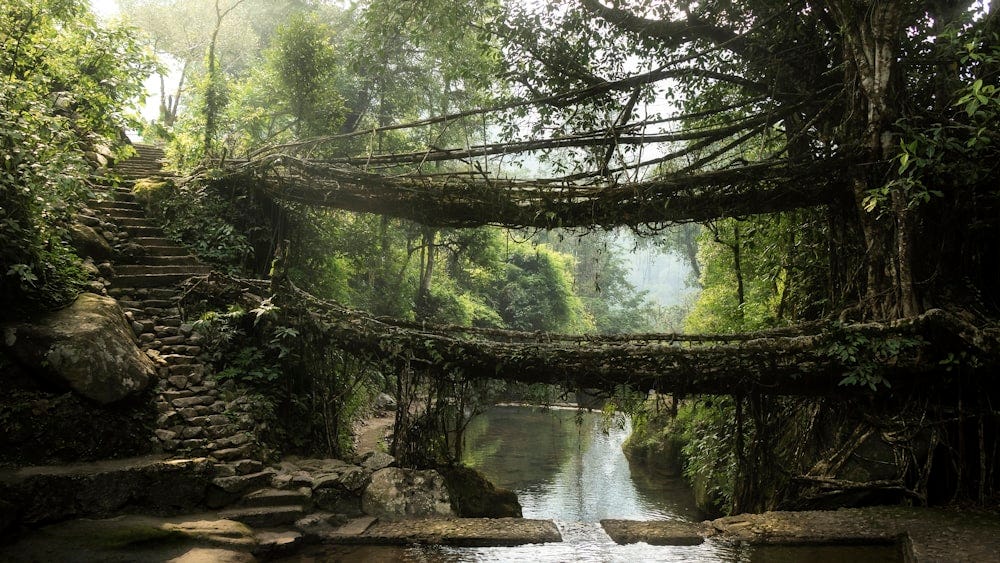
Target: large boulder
column 396, row 493
column 474, row 496
column 87, row 347
column 87, row 242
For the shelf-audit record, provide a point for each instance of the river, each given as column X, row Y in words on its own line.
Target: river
column 567, row 466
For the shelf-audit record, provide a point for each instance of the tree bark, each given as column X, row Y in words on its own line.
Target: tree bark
column 871, row 34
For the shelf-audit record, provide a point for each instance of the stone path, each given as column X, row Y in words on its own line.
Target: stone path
column 193, row 417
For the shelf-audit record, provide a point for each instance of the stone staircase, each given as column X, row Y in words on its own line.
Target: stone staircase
column 193, row 419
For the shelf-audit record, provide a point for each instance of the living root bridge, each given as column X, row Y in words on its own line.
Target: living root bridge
column 808, row 360
column 469, row 200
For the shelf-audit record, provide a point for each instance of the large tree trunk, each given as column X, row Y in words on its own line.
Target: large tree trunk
column 871, row 33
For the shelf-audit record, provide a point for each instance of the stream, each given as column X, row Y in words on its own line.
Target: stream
column 568, row 466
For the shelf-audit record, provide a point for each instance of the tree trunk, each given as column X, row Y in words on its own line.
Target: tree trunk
column 871, row 32
column 428, row 254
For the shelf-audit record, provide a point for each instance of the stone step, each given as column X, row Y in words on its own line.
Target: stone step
column 124, row 196
column 118, row 213
column 139, row 269
column 136, row 222
column 233, row 453
column 144, row 231
column 162, row 303
column 264, row 517
column 114, row 205
column 275, row 497
column 175, row 260
column 179, row 359
column 154, row 241
column 149, row 280
column 166, row 250
column 226, row 490
column 238, row 467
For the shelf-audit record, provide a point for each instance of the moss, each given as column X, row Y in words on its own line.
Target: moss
column 656, row 444
column 473, row 496
column 148, row 190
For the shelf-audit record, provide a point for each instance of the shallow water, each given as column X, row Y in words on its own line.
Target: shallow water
column 568, row 467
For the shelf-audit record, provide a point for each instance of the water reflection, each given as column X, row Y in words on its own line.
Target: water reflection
column 564, row 466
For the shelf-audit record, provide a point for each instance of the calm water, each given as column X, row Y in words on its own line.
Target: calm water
column 568, row 467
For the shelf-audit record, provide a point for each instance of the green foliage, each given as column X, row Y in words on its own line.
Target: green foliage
column 63, row 84
column 214, row 225
column 944, row 153
column 536, row 292
column 864, row 358
column 303, row 60
column 707, row 428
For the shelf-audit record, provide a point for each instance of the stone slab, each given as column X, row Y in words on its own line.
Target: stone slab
column 663, row 532
column 463, row 532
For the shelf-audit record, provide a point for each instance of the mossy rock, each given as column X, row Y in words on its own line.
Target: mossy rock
column 473, row 496
column 148, row 190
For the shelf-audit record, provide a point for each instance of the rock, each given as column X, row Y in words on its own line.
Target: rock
column 102, row 489
column 338, row 501
column 90, row 268
column 319, row 524
column 473, row 496
column 88, row 243
column 373, row 461
column 395, row 493
column 664, row 532
column 466, row 532
column 87, row 347
column 384, row 402
column 354, row 478
column 276, row 544
column 245, row 466
column 264, row 516
column 226, row 490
